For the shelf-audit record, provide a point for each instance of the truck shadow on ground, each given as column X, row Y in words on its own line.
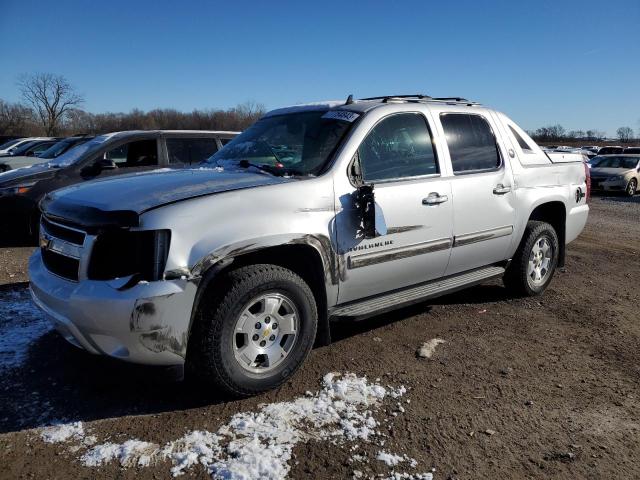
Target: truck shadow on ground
column 57, row 382
column 617, row 198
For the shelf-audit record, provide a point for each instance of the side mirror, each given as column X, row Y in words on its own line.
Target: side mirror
column 373, row 224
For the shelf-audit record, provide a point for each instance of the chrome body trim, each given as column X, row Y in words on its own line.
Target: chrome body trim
column 474, row 237
column 373, row 258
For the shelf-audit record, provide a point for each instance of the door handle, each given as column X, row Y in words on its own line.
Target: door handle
column 501, row 189
column 434, row 198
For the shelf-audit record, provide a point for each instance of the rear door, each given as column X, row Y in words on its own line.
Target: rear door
column 399, row 158
column 482, row 189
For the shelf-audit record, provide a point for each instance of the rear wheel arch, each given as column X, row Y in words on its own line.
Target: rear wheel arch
column 555, row 214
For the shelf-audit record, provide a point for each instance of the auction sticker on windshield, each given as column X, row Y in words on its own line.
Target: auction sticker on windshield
column 342, row 115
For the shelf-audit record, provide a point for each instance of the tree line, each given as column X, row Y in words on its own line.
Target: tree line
column 556, row 133
column 51, row 106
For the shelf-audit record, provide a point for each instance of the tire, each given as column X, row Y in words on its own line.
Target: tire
column 519, row 277
column 632, row 186
column 218, row 353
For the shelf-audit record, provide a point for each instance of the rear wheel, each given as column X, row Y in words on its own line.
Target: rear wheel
column 535, row 261
column 256, row 333
column 632, row 186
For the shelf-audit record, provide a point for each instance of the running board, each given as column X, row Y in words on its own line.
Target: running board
column 398, row 298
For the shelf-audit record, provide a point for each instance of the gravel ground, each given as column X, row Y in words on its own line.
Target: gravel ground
column 543, row 387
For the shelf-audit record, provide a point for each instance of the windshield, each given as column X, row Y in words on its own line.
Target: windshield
column 615, row 162
column 73, row 155
column 10, row 143
column 20, row 149
column 59, row 148
column 295, row 143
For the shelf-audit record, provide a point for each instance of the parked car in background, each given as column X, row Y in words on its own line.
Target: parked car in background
column 632, row 151
column 616, row 173
column 30, row 149
column 54, row 151
column 316, row 212
column 14, row 145
column 9, row 142
column 611, row 150
column 101, row 157
column 591, row 148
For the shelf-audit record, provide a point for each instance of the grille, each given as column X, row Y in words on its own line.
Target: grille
column 65, row 267
column 62, row 232
column 59, row 249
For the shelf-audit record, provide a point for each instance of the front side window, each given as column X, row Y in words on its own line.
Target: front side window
column 190, row 150
column 295, row 143
column 472, row 146
column 399, row 146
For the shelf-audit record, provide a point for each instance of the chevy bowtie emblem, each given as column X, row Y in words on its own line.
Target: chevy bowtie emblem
column 267, row 332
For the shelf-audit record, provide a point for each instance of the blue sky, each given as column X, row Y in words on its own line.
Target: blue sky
column 571, row 62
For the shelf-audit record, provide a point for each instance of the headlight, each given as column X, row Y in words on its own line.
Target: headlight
column 121, row 253
column 16, row 189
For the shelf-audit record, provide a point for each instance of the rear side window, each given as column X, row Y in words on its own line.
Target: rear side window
column 142, row 153
column 472, row 146
column 399, row 146
column 523, row 145
column 190, row 150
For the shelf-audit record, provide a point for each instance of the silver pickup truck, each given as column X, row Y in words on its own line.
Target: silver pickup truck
column 316, row 213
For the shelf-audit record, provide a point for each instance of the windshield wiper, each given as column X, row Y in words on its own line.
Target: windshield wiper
column 277, row 171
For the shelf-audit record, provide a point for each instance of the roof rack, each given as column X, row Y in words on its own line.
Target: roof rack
column 386, row 98
column 422, row 98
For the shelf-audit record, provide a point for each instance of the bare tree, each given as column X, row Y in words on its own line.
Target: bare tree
column 625, row 134
column 51, row 96
column 15, row 119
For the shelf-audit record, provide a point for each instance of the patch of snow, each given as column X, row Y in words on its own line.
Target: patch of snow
column 389, row 458
column 428, row 349
column 130, row 453
column 392, row 459
column 410, row 476
column 21, row 324
column 259, row 444
column 63, row 432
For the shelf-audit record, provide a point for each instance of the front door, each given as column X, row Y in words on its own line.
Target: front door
column 398, row 157
column 482, row 188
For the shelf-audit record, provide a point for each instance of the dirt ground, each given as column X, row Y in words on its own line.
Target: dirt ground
column 544, row 387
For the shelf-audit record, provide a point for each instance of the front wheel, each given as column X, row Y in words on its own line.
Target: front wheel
column 535, row 261
column 632, row 186
column 255, row 334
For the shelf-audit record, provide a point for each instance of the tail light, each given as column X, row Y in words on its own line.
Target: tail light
column 587, row 174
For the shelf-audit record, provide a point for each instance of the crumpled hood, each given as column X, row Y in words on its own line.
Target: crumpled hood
column 127, row 196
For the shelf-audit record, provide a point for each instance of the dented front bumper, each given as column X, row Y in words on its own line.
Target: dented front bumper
column 147, row 323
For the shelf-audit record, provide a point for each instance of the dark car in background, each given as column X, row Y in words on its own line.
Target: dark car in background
column 54, row 151
column 101, row 157
column 614, row 150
